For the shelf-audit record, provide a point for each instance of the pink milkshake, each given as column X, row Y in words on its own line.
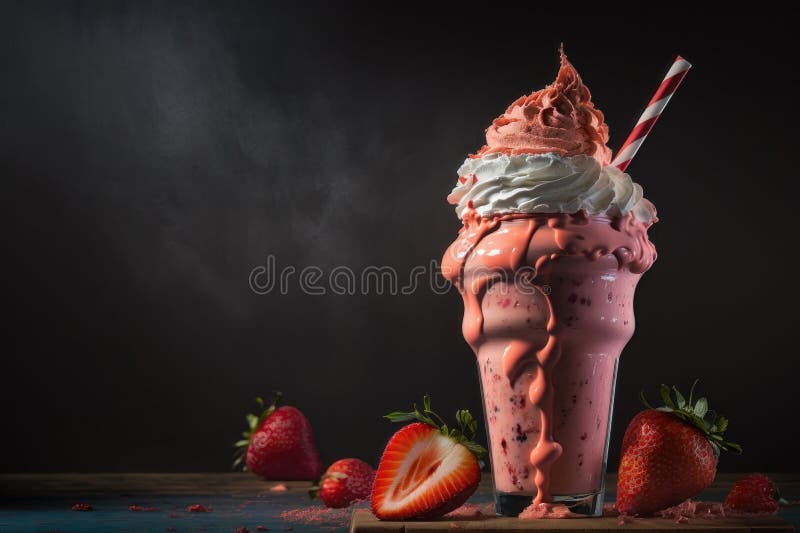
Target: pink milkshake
column 553, row 244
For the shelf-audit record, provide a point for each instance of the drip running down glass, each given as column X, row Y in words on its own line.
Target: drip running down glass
column 548, row 345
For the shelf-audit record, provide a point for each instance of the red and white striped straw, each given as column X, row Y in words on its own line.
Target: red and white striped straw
column 651, row 113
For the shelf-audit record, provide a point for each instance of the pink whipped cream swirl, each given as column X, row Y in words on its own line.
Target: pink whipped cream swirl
column 560, row 118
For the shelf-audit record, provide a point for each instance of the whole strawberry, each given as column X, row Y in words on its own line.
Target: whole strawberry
column 755, row 493
column 669, row 454
column 279, row 444
column 344, row 482
column 427, row 469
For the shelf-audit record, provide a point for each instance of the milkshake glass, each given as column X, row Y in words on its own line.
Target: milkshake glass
column 553, row 245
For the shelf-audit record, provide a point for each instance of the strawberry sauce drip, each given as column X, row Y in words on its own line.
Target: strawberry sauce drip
column 501, row 249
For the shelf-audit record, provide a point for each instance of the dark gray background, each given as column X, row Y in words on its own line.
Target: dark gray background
column 152, row 154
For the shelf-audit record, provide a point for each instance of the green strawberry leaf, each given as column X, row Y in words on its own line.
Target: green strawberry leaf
column 666, row 397
column 733, row 446
column 426, row 403
column 680, row 398
column 399, row 416
column 698, row 414
column 464, row 433
column 691, row 391
column 253, row 423
column 701, row 407
column 477, row 449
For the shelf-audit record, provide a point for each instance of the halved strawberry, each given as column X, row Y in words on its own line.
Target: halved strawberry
column 426, row 470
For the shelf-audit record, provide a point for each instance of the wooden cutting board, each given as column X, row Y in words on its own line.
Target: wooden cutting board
column 365, row 522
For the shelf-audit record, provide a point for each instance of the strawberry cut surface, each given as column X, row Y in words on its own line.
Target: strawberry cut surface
column 423, row 474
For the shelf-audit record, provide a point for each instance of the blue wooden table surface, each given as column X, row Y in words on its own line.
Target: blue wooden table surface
column 43, row 503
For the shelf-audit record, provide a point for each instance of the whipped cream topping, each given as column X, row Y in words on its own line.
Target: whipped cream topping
column 547, row 183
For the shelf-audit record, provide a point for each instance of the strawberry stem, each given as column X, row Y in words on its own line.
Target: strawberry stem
column 253, row 423
column 698, row 414
column 313, row 491
column 463, row 434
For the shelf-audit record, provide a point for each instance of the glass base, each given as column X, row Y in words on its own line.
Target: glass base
column 512, row 504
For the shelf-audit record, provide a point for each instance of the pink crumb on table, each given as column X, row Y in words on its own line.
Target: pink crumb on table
column 82, row 507
column 262, row 528
column 686, row 511
column 280, row 487
column 198, row 508
column 171, row 529
column 316, row 514
column 624, row 519
column 547, row 510
column 610, row 510
column 471, row 511
column 139, row 509
column 242, row 530
column 691, row 509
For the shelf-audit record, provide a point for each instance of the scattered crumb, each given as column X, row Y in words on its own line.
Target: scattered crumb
column 316, row 514
column 242, row 530
column 547, row 510
column 280, row 487
column 173, row 515
column 139, row 509
column 82, row 507
column 684, row 512
column 453, row 525
column 472, row 511
column 610, row 509
column 171, row 529
column 198, row 508
column 689, row 509
column 288, row 528
column 468, row 511
column 262, row 528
